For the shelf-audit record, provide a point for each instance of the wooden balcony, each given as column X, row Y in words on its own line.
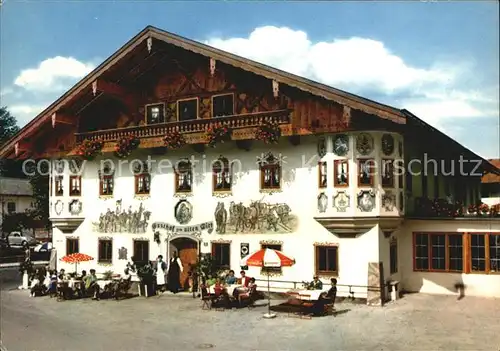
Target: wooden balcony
column 235, row 122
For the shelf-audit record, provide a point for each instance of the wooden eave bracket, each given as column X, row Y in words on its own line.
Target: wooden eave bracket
column 102, row 86
column 21, row 147
column 62, row 119
column 149, row 43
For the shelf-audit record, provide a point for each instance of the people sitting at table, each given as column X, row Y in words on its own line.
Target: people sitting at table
column 218, row 287
column 37, row 288
column 91, row 285
column 243, row 280
column 210, row 281
column 316, row 284
column 62, row 275
column 230, row 278
column 325, row 298
column 247, row 293
column 53, row 283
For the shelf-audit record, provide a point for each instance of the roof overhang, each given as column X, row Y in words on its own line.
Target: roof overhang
column 66, row 225
column 355, row 226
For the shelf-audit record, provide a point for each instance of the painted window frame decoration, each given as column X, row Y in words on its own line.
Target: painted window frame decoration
column 106, row 181
column 366, row 165
column 322, row 174
column 217, row 253
column 149, row 109
column 270, row 168
column 142, row 179
column 183, row 177
column 106, row 251
column 186, row 101
column 222, row 96
column 387, row 178
column 222, row 175
column 338, row 171
column 75, row 185
column 72, row 245
column 317, row 257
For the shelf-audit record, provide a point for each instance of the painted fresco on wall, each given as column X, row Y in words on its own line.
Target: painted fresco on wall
column 123, row 221
column 256, row 217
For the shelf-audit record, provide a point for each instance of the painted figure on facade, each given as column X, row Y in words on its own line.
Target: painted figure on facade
column 322, row 203
column 121, row 221
column 366, row 201
column 220, row 218
column 258, row 217
column 183, row 212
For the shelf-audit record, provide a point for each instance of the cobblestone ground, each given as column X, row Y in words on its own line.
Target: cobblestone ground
column 416, row 322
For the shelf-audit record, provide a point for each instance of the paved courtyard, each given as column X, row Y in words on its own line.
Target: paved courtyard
column 416, row 322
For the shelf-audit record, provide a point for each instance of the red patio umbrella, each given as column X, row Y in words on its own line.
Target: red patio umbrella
column 76, row 258
column 268, row 258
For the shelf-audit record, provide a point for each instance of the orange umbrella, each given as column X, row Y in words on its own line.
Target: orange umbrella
column 76, row 258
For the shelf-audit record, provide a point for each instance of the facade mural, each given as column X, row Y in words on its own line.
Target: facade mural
column 366, row 200
column 364, row 144
column 122, row 253
column 183, row 212
column 257, row 217
column 341, row 201
column 322, row 203
column 244, row 249
column 123, row 221
column 59, row 207
column 341, row 144
column 75, row 207
column 388, row 201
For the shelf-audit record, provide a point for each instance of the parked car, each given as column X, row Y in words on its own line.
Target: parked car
column 18, row 239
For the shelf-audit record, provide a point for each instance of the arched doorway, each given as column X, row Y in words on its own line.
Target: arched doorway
column 188, row 251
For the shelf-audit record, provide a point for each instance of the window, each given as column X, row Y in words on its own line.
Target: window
column 393, row 256
column 105, row 250
column 438, row 252
column 72, row 246
column 366, row 170
column 11, row 207
column 59, row 189
column 106, row 181
column 75, row 186
column 141, row 251
column 323, row 179
column 271, row 269
column 223, row 105
column 485, row 253
column 387, row 173
column 270, row 172
column 184, row 177
column 341, row 173
column 142, row 178
column 221, row 253
column 327, row 260
column 155, row 113
column 187, row 109
column 222, row 176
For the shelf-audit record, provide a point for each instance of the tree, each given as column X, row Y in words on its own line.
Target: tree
column 40, row 185
column 8, row 125
column 8, row 128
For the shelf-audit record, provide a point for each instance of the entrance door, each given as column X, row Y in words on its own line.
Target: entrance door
column 187, row 250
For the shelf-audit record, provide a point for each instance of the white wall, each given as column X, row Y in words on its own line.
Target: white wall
column 299, row 190
column 23, row 203
column 443, row 283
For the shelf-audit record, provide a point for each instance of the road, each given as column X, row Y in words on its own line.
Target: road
column 171, row 323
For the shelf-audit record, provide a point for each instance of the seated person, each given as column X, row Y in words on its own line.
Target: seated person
column 53, row 283
column 251, row 289
column 91, row 285
column 62, row 275
column 210, row 281
column 218, row 287
column 230, row 278
column 244, row 280
column 36, row 287
column 316, row 284
column 325, row 298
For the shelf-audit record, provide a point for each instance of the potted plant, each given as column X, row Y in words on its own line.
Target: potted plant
column 269, row 132
column 218, row 134
column 146, row 276
column 124, row 146
column 174, row 140
column 89, row 149
column 483, row 209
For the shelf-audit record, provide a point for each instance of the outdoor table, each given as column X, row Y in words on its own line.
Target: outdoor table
column 229, row 288
column 299, row 294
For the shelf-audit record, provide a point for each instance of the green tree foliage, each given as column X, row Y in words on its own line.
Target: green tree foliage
column 17, row 221
column 8, row 125
column 40, row 185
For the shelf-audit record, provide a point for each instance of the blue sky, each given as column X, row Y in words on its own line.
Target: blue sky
column 439, row 60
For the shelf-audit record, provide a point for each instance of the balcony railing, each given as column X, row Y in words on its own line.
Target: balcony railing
column 444, row 208
column 193, row 126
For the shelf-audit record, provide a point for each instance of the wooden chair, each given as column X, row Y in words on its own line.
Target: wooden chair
column 206, row 299
column 294, row 301
column 249, row 297
column 307, row 306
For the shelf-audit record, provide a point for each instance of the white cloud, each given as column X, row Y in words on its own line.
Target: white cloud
column 25, row 113
column 6, row 91
column 53, row 74
column 367, row 67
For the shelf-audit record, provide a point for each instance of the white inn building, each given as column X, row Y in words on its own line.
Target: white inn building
column 329, row 193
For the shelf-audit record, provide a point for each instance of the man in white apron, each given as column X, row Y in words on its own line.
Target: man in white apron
column 161, row 271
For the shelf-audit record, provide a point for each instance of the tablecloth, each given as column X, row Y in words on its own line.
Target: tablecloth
column 312, row 294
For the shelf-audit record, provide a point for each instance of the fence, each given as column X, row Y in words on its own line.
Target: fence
column 352, row 291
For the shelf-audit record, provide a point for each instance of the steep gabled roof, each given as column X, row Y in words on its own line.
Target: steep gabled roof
column 304, row 84
column 491, row 177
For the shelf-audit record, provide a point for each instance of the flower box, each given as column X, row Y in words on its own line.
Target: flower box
column 218, row 134
column 174, row 140
column 269, row 132
column 124, row 146
column 89, row 149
